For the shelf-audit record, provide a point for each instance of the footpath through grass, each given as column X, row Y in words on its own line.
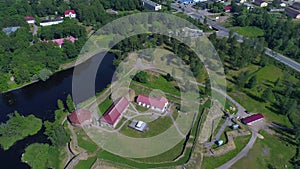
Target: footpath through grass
column 84, row 164
column 214, row 162
column 268, row 151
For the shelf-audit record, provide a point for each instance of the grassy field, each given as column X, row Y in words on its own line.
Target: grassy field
column 85, row 142
column 268, row 151
column 155, row 127
column 104, row 106
column 248, row 31
column 213, row 162
column 250, row 98
column 84, row 164
column 159, row 82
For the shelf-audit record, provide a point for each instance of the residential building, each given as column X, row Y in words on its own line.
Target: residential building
column 151, row 5
column 70, row 13
column 227, row 8
column 296, row 5
column 80, row 117
column 158, row 104
column 114, row 114
column 30, row 19
column 51, row 22
column 260, row 3
column 9, row 30
column 252, row 119
column 61, row 40
column 292, row 13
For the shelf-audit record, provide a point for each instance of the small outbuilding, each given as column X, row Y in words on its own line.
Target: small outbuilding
column 138, row 125
column 219, row 142
column 252, row 119
column 235, row 126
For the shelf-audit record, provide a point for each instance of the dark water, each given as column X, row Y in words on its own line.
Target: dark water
column 40, row 99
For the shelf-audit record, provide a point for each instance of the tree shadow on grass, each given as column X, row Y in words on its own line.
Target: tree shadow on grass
column 253, row 96
column 284, row 133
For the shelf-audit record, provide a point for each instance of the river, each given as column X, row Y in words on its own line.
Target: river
column 40, row 99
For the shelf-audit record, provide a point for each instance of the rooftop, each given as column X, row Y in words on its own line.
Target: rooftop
column 80, row 116
column 114, row 112
column 156, row 102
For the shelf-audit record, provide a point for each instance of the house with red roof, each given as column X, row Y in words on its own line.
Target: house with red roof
column 61, row 40
column 30, row 19
column 159, row 104
column 252, row 119
column 227, row 8
column 70, row 13
column 80, row 117
column 114, row 114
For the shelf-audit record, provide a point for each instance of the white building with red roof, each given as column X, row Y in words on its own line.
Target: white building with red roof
column 70, row 13
column 252, row 119
column 159, row 104
column 80, row 117
column 30, row 19
column 61, row 40
column 114, row 114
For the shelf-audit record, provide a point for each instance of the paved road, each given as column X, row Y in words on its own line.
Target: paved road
column 223, row 31
column 241, row 154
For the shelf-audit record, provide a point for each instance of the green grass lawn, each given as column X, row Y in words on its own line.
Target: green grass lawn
column 270, row 150
column 104, row 106
column 84, row 141
column 213, row 162
column 155, row 127
column 248, row 31
column 84, row 164
column 144, row 165
column 159, row 82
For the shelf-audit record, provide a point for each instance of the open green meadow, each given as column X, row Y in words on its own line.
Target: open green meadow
column 268, row 151
column 248, row 31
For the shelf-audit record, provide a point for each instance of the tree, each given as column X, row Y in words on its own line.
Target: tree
column 207, row 89
column 60, row 104
column 252, row 82
column 36, row 155
column 56, row 134
column 267, row 95
column 45, row 74
column 141, row 77
column 241, row 79
column 70, row 103
column 277, row 82
column 169, row 78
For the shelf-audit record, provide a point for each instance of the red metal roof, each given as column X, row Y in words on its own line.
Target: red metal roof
column 156, row 102
column 227, row 8
column 80, row 116
column 67, row 12
column 115, row 111
column 61, row 40
column 29, row 18
column 252, row 118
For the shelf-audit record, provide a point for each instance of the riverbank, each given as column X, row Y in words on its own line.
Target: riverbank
column 63, row 67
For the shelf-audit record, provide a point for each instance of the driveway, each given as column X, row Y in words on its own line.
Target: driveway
column 241, row 154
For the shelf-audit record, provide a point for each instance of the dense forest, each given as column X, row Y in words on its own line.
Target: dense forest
column 282, row 35
column 25, row 58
